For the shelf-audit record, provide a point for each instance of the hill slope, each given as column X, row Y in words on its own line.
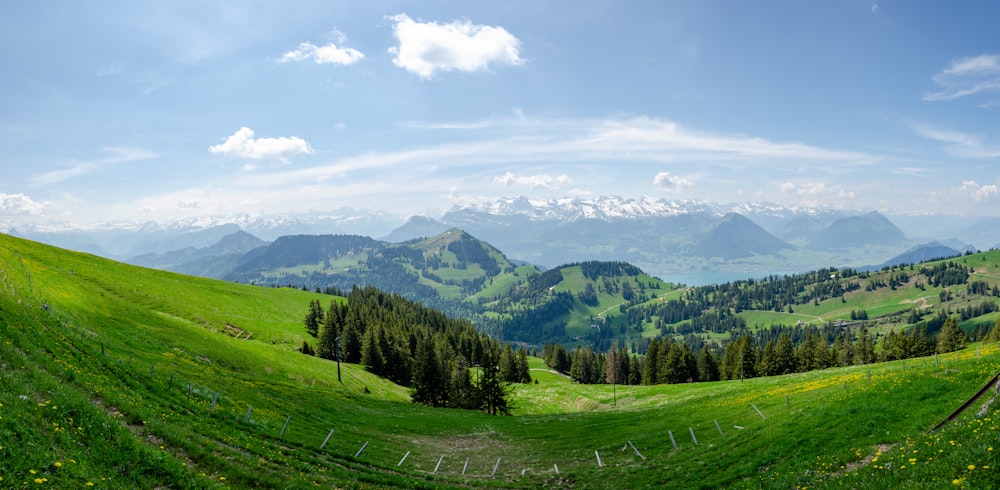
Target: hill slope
column 128, row 378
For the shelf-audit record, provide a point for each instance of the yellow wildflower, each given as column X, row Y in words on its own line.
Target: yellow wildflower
column 972, row 466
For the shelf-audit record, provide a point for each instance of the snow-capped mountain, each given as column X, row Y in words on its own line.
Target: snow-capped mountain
column 610, row 208
column 659, row 235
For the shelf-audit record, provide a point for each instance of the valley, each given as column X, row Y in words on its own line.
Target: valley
column 125, row 377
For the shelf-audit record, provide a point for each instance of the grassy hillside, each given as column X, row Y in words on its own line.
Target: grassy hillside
column 122, row 377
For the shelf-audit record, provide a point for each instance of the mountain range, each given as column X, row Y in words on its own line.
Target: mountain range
column 683, row 240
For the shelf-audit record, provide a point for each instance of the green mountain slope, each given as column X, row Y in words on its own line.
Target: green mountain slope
column 123, row 377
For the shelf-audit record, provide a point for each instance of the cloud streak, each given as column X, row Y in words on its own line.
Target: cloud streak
column 119, row 154
column 426, row 48
column 967, row 76
column 964, row 145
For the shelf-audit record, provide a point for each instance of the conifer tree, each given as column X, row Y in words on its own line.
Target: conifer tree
column 462, row 392
column 864, row 352
column 314, row 318
column 371, row 351
column 635, row 370
column 430, row 385
column 508, row 365
column 523, row 370
column 649, row 375
column 951, row 337
column 562, row 362
column 767, row 364
column 708, row 365
column 994, row 333
column 784, row 355
column 493, row 388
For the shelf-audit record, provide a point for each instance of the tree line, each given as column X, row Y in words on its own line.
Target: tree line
column 418, row 347
column 766, row 352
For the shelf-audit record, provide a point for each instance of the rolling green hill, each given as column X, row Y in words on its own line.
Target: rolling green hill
column 462, row 276
column 123, row 377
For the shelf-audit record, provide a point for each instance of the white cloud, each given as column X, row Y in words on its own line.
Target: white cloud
column 19, row 204
column 189, row 204
column 815, row 191
column 671, row 183
column 329, row 54
column 980, row 193
column 540, row 181
column 242, row 144
column 428, row 47
column 967, row 76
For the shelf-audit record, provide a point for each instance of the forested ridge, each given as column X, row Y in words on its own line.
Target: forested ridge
column 687, row 346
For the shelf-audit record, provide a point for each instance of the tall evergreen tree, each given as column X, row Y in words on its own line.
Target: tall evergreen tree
column 784, row 355
column 314, row 318
column 649, row 374
column 562, row 362
column 635, row 370
column 864, row 352
column 508, row 365
column 994, row 333
column 371, row 351
column 430, row 384
column 523, row 369
column 708, row 365
column 493, row 388
column 767, row 364
column 462, row 392
column 951, row 337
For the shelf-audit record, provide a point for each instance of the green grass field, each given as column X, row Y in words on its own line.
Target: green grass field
column 109, row 374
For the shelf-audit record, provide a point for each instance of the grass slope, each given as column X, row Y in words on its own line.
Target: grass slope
column 95, row 389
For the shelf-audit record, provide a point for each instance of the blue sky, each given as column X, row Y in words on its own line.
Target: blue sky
column 133, row 110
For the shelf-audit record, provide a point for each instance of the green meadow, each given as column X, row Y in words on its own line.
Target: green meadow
column 113, row 376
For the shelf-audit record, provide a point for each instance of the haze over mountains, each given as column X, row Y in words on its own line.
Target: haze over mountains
column 680, row 238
